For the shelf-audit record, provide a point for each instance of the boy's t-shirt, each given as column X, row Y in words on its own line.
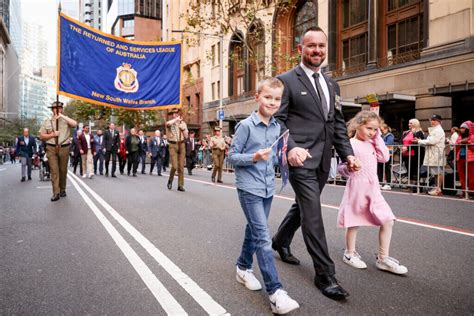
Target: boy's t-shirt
column 251, row 135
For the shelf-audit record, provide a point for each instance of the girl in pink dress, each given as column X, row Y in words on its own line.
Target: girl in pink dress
column 363, row 203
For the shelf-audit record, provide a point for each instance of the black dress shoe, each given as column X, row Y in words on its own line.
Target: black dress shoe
column 114, row 176
column 159, row 174
column 55, row 197
column 29, row 178
column 134, row 175
column 219, row 181
column 23, row 179
column 329, row 286
column 169, row 185
column 285, row 254
column 63, row 194
column 180, row 188
column 106, row 174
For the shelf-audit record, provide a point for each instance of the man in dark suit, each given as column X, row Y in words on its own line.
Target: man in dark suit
column 143, row 149
column 25, row 148
column 99, row 155
column 75, row 153
column 111, row 148
column 156, row 151
column 311, row 110
column 191, row 152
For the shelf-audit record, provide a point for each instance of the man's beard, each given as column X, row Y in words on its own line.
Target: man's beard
column 307, row 61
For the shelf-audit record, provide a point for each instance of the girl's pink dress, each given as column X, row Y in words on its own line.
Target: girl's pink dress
column 363, row 203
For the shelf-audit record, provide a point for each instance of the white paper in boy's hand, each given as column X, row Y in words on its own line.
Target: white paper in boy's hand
column 278, row 139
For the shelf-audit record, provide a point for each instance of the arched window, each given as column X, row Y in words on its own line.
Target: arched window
column 306, row 16
column 236, row 66
column 256, row 38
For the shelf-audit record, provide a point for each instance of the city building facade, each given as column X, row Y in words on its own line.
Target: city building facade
column 9, row 64
column 93, row 13
column 135, row 19
column 34, row 97
column 415, row 56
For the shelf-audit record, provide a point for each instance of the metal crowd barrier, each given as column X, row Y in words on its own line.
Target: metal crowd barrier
column 407, row 171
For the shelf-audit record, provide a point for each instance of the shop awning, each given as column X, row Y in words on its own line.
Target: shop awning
column 388, row 97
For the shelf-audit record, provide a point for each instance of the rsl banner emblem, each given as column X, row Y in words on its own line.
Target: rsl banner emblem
column 126, row 79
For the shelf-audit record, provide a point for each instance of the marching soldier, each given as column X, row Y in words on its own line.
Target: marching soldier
column 218, row 146
column 56, row 132
column 177, row 132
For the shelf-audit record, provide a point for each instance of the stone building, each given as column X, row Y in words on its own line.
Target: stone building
column 416, row 56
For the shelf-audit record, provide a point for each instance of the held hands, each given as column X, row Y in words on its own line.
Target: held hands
column 81, row 151
column 415, row 140
column 297, row 156
column 353, row 164
column 262, row 154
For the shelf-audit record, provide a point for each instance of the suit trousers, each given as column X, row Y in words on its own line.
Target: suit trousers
column 132, row 159
column 26, row 163
column 306, row 211
column 158, row 160
column 142, row 158
column 218, row 156
column 58, row 166
column 99, row 157
column 190, row 163
column 109, row 153
column 177, row 157
column 87, row 163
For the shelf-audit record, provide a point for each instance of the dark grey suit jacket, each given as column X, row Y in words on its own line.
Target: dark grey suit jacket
column 302, row 114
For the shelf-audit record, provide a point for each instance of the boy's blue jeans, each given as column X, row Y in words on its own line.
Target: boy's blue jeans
column 257, row 239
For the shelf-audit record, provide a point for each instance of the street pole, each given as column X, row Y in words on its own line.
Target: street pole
column 221, row 78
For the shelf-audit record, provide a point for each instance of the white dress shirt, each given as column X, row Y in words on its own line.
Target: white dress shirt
column 322, row 81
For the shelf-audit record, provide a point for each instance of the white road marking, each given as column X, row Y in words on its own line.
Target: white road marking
column 193, row 289
column 336, row 207
column 166, row 300
column 3, row 169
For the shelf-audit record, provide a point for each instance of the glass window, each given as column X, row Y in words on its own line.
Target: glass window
column 354, row 12
column 354, row 51
column 306, row 17
column 126, row 7
column 395, row 4
column 405, row 36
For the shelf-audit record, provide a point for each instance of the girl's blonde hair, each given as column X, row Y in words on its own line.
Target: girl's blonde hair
column 415, row 125
column 360, row 119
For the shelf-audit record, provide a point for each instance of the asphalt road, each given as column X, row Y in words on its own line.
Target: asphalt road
column 128, row 246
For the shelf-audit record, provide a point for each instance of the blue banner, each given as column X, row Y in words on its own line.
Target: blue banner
column 104, row 69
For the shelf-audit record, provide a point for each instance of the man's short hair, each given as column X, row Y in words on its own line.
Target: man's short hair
column 312, row 29
column 269, row 82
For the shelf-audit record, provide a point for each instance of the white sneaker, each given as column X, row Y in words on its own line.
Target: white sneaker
column 91, row 175
column 354, row 260
column 281, row 303
column 391, row 265
column 84, row 176
column 386, row 187
column 247, row 278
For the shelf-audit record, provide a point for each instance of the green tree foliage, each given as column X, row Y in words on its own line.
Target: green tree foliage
column 9, row 130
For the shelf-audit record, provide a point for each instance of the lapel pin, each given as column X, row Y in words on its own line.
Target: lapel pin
column 304, row 93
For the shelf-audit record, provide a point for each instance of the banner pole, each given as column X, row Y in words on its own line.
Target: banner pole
column 56, row 139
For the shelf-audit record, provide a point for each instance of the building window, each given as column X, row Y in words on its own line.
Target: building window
column 218, row 54
column 354, row 12
column 403, row 32
column 237, row 66
column 352, row 36
column 306, row 17
column 396, row 4
column 256, row 38
column 213, row 88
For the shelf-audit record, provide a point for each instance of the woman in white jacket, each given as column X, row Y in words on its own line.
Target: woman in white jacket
column 434, row 154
